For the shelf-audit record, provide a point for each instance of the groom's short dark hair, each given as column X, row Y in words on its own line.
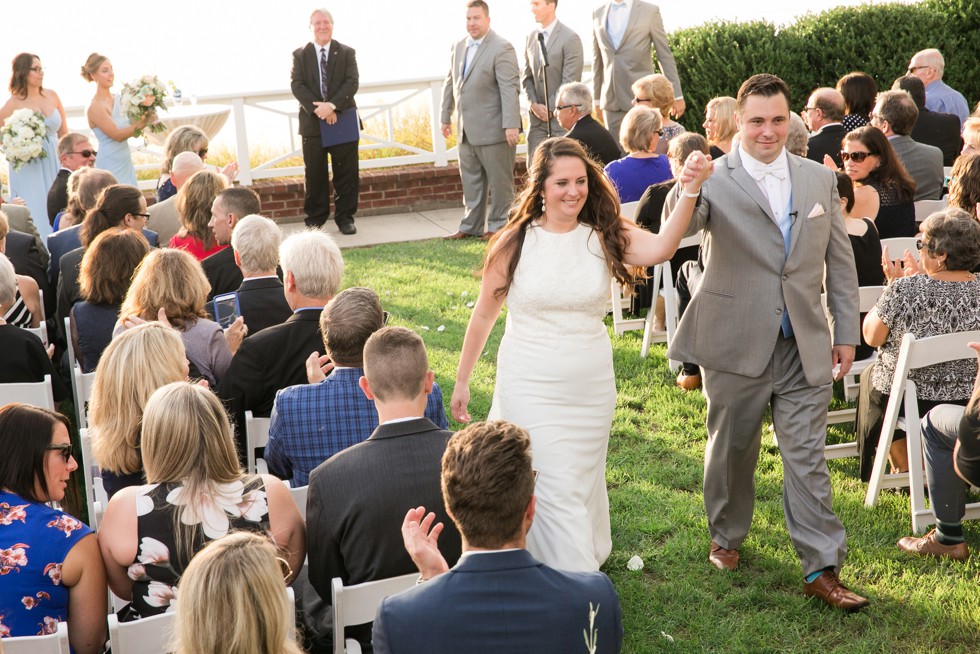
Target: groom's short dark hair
column 762, row 84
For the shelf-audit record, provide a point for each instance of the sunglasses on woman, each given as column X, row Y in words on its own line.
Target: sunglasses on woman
column 64, row 450
column 858, row 157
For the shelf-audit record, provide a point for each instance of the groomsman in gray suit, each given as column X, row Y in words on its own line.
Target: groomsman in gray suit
column 482, row 89
column 622, row 33
column 773, row 238
column 564, row 50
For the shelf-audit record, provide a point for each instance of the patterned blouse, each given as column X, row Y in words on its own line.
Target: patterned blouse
column 853, row 121
column 925, row 307
column 236, row 506
column 34, row 542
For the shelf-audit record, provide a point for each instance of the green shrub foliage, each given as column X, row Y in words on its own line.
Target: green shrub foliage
column 818, row 49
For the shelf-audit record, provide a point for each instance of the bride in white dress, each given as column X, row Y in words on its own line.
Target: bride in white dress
column 552, row 263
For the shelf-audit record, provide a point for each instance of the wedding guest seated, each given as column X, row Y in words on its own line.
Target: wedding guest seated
column 642, row 166
column 277, row 357
column 823, row 114
column 656, row 91
column 28, row 259
column 194, row 208
column 22, row 355
column 195, row 493
column 931, row 127
column 719, row 125
column 21, row 221
column 186, row 138
column 573, row 109
column 798, row 140
column 163, row 213
column 51, row 566
column 171, row 282
column 355, row 524
column 229, row 207
column 84, row 187
column 895, row 115
column 497, row 598
column 964, row 183
column 246, row 571
column 255, row 246
column 944, row 297
column 312, row 422
column 133, row 366
column 74, row 152
column 106, row 274
column 971, row 136
column 24, row 310
column 883, row 190
column 952, row 452
column 859, row 91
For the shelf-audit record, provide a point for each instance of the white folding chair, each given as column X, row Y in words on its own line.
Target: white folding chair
column 867, row 299
column 354, row 605
column 41, row 331
column 914, row 354
column 628, row 210
column 95, row 493
column 37, row 394
column 56, row 643
column 256, row 436
column 82, row 383
column 152, row 635
column 925, row 208
column 898, row 245
column 299, row 496
column 617, row 296
column 663, row 281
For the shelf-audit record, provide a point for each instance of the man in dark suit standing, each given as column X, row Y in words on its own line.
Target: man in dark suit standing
column 324, row 79
column 823, row 114
column 498, row 598
column 932, row 127
column 564, row 50
column 312, row 269
column 573, row 109
column 895, row 114
column 74, row 151
column 261, row 300
column 359, row 496
column 229, row 206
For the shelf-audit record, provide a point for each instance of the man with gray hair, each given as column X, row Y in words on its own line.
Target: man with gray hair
column 895, row 114
column 823, row 114
column 255, row 249
column 163, row 215
column 573, row 109
column 74, row 152
column 276, row 358
column 229, row 206
column 929, row 66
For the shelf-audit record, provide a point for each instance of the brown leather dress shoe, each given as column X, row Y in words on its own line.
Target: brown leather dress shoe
column 487, row 236
column 457, row 236
column 689, row 382
column 929, row 545
column 723, row 559
column 829, row 588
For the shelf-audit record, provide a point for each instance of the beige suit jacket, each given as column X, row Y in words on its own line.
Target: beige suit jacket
column 20, row 221
column 164, row 220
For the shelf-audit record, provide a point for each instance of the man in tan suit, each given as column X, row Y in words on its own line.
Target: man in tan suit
column 756, row 326
column 622, row 33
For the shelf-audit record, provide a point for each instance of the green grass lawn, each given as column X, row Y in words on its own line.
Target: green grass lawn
column 678, row 602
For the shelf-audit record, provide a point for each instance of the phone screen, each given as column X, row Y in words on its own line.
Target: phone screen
column 226, row 309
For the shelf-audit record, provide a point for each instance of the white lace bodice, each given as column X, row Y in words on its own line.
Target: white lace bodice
column 561, row 285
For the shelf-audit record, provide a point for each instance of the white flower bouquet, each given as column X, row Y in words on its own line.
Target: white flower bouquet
column 22, row 137
column 142, row 97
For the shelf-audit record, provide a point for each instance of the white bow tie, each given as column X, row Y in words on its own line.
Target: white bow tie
column 777, row 170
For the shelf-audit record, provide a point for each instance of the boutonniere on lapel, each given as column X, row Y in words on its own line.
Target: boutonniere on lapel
column 817, row 210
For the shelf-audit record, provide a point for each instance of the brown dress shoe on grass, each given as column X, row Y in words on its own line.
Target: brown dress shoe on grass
column 723, row 559
column 689, row 382
column 829, row 588
column 457, row 236
column 487, row 236
column 929, row 545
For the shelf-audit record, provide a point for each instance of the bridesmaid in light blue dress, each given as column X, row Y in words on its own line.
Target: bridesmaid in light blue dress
column 106, row 119
column 33, row 180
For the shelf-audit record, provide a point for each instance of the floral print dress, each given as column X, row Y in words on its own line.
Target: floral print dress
column 34, row 541
column 236, row 506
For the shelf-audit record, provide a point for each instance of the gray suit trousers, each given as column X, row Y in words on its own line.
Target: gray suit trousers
column 537, row 132
column 736, row 405
column 486, row 169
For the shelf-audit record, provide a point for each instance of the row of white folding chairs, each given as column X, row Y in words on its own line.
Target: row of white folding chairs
column 56, row 643
column 256, row 436
column 37, row 394
column 925, row 208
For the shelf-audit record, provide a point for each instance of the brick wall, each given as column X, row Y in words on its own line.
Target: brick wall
column 383, row 191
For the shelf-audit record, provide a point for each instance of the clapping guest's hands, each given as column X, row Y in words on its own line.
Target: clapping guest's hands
column 829, row 162
column 317, row 367
column 230, row 171
column 421, row 542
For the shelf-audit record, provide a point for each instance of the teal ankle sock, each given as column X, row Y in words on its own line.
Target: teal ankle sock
column 810, row 578
column 949, row 533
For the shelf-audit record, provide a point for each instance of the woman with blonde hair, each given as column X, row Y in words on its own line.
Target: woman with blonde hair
column 196, row 492
column 656, row 91
column 964, row 183
column 194, row 202
column 106, row 118
column 719, row 125
column 133, row 366
column 245, row 570
column 171, row 282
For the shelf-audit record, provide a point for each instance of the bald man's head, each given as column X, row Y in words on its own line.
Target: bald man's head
column 185, row 164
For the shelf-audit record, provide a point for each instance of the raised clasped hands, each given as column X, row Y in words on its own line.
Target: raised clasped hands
column 697, row 169
column 421, row 542
column 459, row 401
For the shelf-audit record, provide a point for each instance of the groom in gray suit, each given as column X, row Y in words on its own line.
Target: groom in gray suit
column 483, row 88
column 773, row 236
column 564, row 50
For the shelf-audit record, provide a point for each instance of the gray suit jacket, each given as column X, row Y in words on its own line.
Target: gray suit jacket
column 615, row 69
column 733, row 320
column 487, row 100
column 924, row 163
column 164, row 219
column 564, row 65
column 20, row 221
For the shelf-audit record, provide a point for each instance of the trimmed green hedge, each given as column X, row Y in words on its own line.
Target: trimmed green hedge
column 816, row 50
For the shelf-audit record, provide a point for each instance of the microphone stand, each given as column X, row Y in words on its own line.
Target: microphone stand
column 544, row 59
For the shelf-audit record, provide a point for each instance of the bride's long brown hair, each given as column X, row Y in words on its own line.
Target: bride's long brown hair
column 600, row 212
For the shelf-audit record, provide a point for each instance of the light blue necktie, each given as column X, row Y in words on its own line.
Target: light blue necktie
column 786, row 227
column 616, row 38
column 466, row 55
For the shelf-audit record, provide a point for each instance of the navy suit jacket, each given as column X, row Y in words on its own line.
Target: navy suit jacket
column 500, row 602
column 598, row 142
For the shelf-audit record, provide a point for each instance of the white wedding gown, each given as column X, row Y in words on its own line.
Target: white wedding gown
column 555, row 379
